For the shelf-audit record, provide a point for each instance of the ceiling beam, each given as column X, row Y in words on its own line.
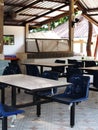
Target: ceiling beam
column 59, row 1
column 93, row 14
column 90, row 19
column 80, row 6
column 92, row 10
column 84, row 10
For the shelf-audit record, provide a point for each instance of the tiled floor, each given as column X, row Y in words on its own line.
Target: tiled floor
column 55, row 116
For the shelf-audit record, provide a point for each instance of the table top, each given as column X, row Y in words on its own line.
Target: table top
column 88, row 60
column 31, row 82
column 90, row 68
column 46, row 64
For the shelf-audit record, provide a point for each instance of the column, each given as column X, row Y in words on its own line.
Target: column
column 1, row 25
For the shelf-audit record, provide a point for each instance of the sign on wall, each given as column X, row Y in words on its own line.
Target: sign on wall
column 8, row 39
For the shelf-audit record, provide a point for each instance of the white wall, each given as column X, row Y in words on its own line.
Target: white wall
column 19, row 40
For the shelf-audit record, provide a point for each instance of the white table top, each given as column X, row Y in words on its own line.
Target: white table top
column 46, row 64
column 89, row 60
column 31, row 82
column 90, row 68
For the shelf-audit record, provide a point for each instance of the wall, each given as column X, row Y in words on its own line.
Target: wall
column 19, row 36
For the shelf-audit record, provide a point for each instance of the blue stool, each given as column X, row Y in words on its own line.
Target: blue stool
column 6, row 111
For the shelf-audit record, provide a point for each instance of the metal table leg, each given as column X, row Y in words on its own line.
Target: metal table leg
column 72, row 115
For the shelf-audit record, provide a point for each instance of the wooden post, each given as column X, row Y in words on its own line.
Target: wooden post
column 26, row 35
column 71, row 26
column 27, row 30
column 49, row 27
column 88, row 48
column 96, row 48
column 1, row 25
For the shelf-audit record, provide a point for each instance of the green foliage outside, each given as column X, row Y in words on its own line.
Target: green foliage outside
column 52, row 25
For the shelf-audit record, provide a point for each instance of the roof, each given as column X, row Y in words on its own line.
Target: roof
column 80, row 29
column 39, row 12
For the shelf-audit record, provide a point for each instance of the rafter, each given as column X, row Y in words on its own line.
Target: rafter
column 92, row 10
column 90, row 19
column 93, row 14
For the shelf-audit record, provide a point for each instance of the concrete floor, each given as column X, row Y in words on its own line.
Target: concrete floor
column 55, row 116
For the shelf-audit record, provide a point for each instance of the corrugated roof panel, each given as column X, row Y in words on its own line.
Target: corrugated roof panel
column 19, row 17
column 65, row 8
column 32, row 11
column 35, row 9
column 93, row 13
column 90, row 3
column 41, row 19
column 13, row 2
column 30, row 18
column 26, row 2
column 42, row 13
column 48, row 4
column 54, row 13
column 95, row 17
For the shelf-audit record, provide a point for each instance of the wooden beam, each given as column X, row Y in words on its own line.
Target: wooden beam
column 92, row 10
column 71, row 27
column 37, row 45
column 84, row 10
column 88, row 48
column 90, row 19
column 79, row 41
column 1, row 25
column 96, row 48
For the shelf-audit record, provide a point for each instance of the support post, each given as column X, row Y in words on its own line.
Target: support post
column 88, row 48
column 71, row 27
column 1, row 25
